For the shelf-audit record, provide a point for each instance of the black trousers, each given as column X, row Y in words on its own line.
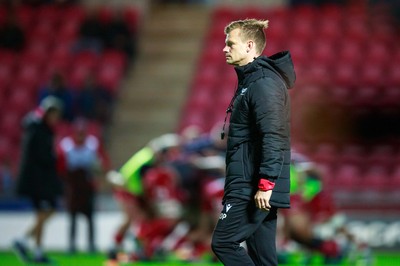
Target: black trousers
column 90, row 234
column 239, row 221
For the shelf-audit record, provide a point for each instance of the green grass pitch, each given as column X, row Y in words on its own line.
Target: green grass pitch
column 8, row 258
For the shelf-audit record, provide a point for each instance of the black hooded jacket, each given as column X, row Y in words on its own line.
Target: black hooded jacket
column 38, row 174
column 259, row 131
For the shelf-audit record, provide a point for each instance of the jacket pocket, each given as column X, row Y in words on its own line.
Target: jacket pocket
column 247, row 161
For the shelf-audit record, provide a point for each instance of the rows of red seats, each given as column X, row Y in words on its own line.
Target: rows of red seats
column 51, row 33
column 351, row 52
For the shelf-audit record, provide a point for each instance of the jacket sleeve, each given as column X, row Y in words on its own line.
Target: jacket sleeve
column 267, row 107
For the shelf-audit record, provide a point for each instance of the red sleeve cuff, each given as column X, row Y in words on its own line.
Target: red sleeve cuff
column 265, row 185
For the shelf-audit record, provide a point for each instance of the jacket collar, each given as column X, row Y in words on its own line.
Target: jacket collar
column 280, row 63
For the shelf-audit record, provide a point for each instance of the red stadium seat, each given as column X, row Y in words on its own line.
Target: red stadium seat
column 394, row 180
column 225, row 14
column 350, row 52
column 131, row 16
column 3, row 15
column 326, row 153
column 86, row 59
column 50, row 14
column 28, row 74
column 375, row 179
column 10, row 126
column 26, row 16
column 20, row 101
column 343, row 75
column 74, row 13
column 371, row 75
column 8, row 58
column 352, row 154
column 391, row 97
column 254, row 12
column 68, row 31
column 114, row 58
column 393, row 75
column 322, row 53
column 348, row 177
column 42, row 31
column 78, row 74
column 6, row 73
column 109, row 77
column 366, row 96
column 381, row 155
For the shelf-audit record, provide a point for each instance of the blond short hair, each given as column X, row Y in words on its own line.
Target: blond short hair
column 251, row 29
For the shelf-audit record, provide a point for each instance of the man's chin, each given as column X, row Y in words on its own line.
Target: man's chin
column 229, row 61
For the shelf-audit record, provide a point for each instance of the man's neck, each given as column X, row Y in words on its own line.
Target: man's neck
column 248, row 60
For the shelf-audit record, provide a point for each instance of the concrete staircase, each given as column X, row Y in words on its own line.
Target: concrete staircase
column 155, row 89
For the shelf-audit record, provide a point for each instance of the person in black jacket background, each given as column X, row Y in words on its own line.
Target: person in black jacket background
column 258, row 150
column 38, row 178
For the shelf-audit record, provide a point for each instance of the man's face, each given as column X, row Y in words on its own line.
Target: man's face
column 52, row 117
column 235, row 49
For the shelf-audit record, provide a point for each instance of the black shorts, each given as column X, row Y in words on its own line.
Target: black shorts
column 44, row 204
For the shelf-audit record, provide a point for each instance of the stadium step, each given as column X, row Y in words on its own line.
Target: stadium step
column 154, row 92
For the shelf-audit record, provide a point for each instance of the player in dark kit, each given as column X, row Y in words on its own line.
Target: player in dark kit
column 258, row 153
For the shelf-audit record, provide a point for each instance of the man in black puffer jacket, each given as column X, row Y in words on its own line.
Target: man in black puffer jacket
column 38, row 178
column 258, row 153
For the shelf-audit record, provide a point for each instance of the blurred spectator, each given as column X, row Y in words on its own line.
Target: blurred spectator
column 6, row 177
column 11, row 34
column 92, row 32
column 94, row 102
column 38, row 175
column 119, row 36
column 80, row 159
column 58, row 89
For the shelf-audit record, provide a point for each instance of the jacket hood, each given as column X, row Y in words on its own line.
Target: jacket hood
column 280, row 63
column 32, row 118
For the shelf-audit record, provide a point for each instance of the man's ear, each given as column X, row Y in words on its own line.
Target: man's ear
column 250, row 46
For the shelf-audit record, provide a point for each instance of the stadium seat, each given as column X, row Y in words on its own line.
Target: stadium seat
column 375, row 179
column 114, row 58
column 8, row 58
column 20, row 101
column 43, row 31
column 343, row 75
column 347, row 177
column 106, row 14
column 381, row 155
column 6, row 72
column 109, row 77
column 3, row 15
column 391, row 97
column 26, row 16
column 67, row 31
column 326, row 153
column 371, row 75
column 353, row 154
column 73, row 14
column 10, row 126
column 393, row 76
column 131, row 16
column 322, row 53
column 49, row 14
column 77, row 75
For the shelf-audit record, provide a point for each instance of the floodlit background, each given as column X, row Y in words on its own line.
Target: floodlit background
column 139, row 69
